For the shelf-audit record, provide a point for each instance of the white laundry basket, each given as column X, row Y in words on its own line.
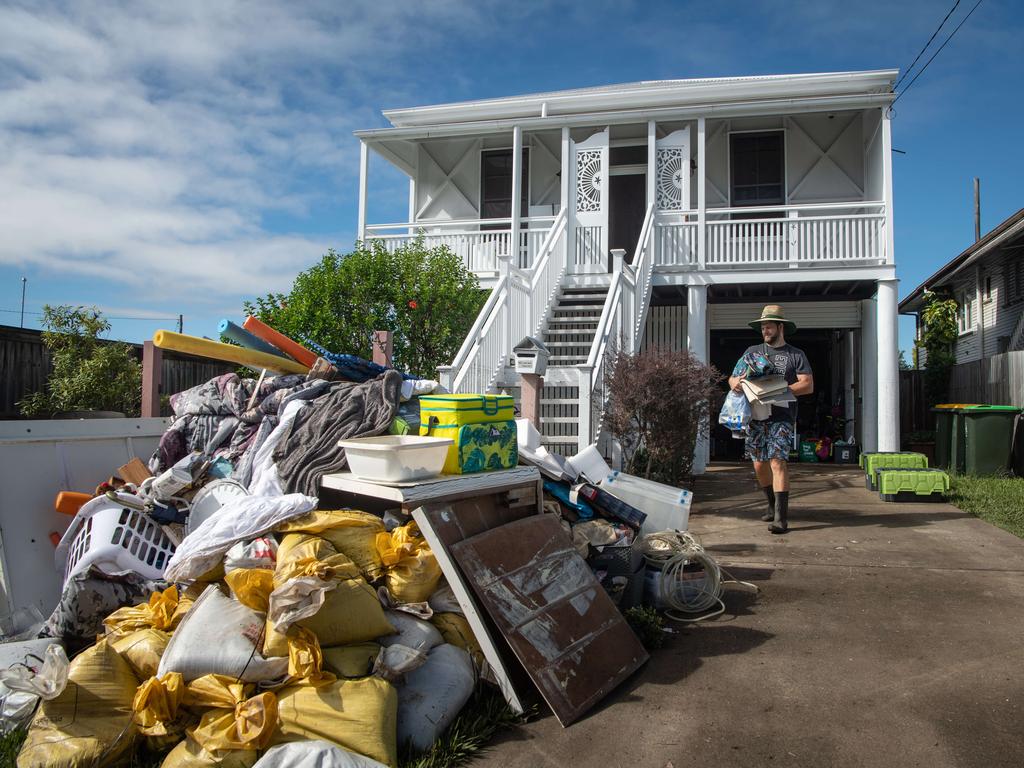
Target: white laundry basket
column 115, row 538
column 210, row 498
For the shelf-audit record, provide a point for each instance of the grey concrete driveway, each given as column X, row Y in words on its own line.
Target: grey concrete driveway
column 883, row 635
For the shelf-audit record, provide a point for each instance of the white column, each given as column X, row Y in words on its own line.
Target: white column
column 364, row 163
column 887, row 184
column 697, row 345
column 652, row 153
column 888, row 367
column 702, row 192
column 568, row 204
column 868, row 376
column 412, row 204
column 517, row 191
column 849, row 384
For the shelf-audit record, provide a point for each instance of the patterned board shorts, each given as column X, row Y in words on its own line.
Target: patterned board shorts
column 770, row 440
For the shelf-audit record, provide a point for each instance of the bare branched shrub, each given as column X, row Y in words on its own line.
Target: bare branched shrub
column 657, row 408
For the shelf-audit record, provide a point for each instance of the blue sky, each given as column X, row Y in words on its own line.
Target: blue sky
column 163, row 158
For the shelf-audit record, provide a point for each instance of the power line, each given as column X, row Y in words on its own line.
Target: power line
column 908, row 70
column 921, row 72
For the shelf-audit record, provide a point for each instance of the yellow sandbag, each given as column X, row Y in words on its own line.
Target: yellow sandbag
column 251, row 587
column 156, row 703
column 90, row 723
column 351, row 532
column 235, row 721
column 350, row 613
column 456, row 630
column 350, row 661
column 359, row 715
column 163, row 611
column 411, row 570
column 305, row 659
column 188, row 754
column 142, row 650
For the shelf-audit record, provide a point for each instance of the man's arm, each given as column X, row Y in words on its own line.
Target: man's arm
column 804, row 384
column 734, row 382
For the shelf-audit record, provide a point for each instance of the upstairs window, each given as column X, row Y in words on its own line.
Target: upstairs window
column 965, row 313
column 757, row 172
column 496, row 184
column 1013, row 281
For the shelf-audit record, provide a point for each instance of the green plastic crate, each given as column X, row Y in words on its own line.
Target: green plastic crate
column 912, row 484
column 872, row 462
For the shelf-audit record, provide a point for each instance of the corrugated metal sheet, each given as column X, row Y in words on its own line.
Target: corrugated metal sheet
column 806, row 314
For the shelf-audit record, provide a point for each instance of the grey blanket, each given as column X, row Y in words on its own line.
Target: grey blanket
column 310, row 449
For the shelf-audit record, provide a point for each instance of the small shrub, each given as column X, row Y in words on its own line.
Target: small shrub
column 658, row 405
column 648, row 626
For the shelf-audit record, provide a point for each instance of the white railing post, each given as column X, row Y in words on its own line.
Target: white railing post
column 517, row 194
column 794, row 239
column 887, row 184
column 585, row 430
column 702, row 194
column 568, row 203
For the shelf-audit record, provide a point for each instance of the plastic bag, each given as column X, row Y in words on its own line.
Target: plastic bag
column 433, row 695
column 443, row 600
column 351, row 532
column 359, row 715
column 156, row 703
column 236, row 720
column 258, row 553
column 188, row 754
column 143, row 650
column 314, row 754
column 735, row 414
column 411, row 632
column 251, row 587
column 456, row 631
column 164, row 611
column 411, row 570
column 220, row 636
column 395, row 661
column 306, row 659
column 90, row 723
column 23, row 684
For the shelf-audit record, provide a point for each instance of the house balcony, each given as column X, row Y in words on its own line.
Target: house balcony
column 832, row 235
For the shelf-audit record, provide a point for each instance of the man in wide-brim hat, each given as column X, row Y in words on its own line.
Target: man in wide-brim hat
column 769, row 440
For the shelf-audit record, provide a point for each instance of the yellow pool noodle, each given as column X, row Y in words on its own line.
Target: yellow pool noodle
column 193, row 345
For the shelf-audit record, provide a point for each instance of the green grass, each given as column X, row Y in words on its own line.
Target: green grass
column 997, row 500
column 10, row 745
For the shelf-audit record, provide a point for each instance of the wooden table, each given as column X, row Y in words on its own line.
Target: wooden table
column 520, row 483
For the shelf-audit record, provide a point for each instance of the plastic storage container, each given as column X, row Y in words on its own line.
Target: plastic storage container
column 115, row 537
column 667, row 508
column 987, row 438
column 449, row 415
column 396, row 458
column 872, row 462
column 845, row 453
column 912, row 484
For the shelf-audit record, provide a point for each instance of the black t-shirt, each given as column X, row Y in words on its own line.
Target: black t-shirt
column 788, row 362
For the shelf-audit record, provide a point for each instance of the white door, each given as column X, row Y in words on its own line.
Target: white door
column 590, row 194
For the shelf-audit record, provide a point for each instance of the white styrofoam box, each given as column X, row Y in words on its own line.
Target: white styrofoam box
column 667, row 508
column 396, row 458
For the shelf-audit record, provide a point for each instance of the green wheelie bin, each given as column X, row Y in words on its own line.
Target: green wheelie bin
column 946, row 419
column 987, row 438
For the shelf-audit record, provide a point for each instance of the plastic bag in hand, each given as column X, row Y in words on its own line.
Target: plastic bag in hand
column 735, row 413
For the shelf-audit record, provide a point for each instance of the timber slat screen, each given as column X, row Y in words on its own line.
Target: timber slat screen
column 25, row 367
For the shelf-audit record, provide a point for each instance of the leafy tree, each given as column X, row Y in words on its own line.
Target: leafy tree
column 89, row 374
column 658, row 405
column 425, row 296
column 937, row 339
column 904, row 365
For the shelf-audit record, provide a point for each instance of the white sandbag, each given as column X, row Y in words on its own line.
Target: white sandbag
column 412, row 632
column 16, row 709
column 444, row 601
column 244, row 518
column 43, row 676
column 220, row 636
column 433, row 695
column 420, row 610
column 258, row 553
column 315, row 753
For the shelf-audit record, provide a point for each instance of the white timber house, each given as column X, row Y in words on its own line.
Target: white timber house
column 664, row 214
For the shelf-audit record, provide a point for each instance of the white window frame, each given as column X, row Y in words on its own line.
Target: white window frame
column 965, row 313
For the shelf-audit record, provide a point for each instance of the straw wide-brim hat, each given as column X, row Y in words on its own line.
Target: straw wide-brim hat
column 773, row 314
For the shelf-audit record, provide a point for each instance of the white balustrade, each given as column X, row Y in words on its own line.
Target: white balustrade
column 676, row 243
column 589, row 249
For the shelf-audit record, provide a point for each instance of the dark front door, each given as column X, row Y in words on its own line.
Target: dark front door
column 627, row 198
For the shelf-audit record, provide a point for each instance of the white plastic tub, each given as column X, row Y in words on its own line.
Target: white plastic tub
column 396, row 458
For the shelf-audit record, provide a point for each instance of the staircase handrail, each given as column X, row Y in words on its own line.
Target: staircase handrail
column 547, row 272
column 643, row 264
column 546, row 248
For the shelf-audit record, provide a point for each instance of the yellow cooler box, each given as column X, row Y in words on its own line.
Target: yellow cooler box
column 482, row 426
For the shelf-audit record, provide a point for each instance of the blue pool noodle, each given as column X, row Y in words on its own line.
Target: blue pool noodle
column 242, row 337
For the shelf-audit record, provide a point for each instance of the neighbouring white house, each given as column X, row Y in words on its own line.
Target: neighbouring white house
column 666, row 214
column 987, row 282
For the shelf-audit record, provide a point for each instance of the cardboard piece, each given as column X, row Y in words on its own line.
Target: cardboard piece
column 133, row 472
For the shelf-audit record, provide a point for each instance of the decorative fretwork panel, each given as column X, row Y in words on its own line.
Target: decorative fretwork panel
column 588, row 180
column 670, row 172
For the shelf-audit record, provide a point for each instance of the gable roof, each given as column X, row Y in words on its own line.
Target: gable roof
column 1008, row 229
column 649, row 94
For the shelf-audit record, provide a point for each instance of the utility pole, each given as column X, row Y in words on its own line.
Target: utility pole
column 977, row 209
column 181, row 323
column 24, row 281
